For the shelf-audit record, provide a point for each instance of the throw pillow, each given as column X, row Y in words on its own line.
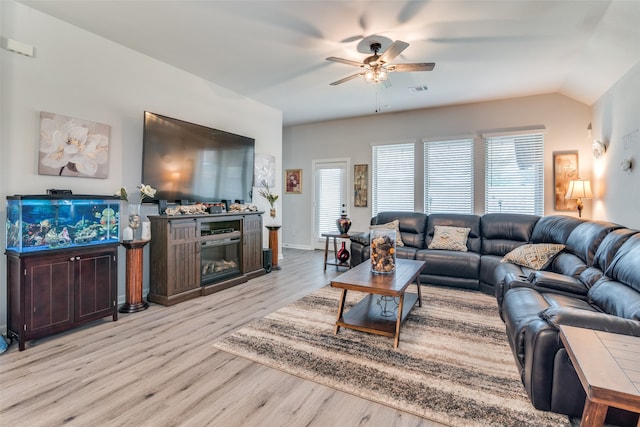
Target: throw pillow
column 534, row 256
column 393, row 225
column 449, row 238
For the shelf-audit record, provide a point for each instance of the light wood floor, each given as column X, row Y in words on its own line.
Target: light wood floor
column 159, row 368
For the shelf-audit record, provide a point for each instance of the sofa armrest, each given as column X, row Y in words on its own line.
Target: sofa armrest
column 557, row 316
column 362, row 238
column 543, row 280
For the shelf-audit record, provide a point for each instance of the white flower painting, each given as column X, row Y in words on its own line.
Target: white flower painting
column 73, row 147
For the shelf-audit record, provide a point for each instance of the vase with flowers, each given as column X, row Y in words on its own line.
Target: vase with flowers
column 271, row 198
column 135, row 219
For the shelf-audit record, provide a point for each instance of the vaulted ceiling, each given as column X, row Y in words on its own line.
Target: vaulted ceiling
column 274, row 50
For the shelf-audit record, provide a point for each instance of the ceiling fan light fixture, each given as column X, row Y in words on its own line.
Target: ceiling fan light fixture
column 376, row 75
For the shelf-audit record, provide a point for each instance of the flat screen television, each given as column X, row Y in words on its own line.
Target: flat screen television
column 186, row 161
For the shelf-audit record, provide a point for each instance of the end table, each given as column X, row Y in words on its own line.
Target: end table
column 134, row 301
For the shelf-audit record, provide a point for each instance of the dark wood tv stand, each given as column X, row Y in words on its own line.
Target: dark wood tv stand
column 194, row 255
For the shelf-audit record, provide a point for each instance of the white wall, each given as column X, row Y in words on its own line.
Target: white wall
column 78, row 74
column 566, row 121
column 616, row 120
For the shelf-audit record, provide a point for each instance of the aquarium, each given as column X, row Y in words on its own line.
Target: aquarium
column 41, row 223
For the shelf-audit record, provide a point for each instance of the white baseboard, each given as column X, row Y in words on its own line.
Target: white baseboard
column 293, row 246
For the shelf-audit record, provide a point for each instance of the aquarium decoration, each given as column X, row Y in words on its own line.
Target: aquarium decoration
column 40, row 223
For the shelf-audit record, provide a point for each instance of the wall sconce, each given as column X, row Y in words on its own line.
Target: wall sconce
column 626, row 164
column 599, row 148
column 579, row 189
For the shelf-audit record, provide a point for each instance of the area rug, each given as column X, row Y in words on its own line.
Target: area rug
column 453, row 364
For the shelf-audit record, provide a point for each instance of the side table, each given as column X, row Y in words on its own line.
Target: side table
column 133, row 298
column 273, row 244
column 607, row 365
column 335, row 236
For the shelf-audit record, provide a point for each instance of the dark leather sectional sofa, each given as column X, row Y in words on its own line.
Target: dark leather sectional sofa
column 593, row 283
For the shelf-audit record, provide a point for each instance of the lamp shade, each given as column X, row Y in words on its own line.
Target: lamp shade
column 579, row 189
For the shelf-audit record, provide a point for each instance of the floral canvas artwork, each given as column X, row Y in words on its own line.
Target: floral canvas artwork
column 565, row 169
column 73, row 147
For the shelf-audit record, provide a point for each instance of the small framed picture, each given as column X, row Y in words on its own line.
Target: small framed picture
column 293, row 181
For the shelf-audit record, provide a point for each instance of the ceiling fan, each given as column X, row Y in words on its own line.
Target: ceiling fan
column 375, row 68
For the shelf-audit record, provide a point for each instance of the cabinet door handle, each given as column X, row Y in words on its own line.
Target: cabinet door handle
column 71, row 259
column 77, row 258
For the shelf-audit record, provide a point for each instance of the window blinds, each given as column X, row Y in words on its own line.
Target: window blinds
column 393, row 178
column 514, row 180
column 448, row 176
column 330, row 195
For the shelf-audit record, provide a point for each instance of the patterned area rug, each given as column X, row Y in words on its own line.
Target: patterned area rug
column 453, row 364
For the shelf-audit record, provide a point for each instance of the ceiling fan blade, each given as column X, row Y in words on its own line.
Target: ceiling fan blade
column 345, row 61
column 392, row 51
column 420, row 66
column 346, row 79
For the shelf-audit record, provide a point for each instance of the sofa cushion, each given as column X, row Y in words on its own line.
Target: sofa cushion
column 450, row 263
column 393, row 225
column 501, row 233
column 554, row 229
column 533, row 256
column 412, row 226
column 406, row 252
column 610, row 246
column 449, row 238
column 625, row 266
column 568, row 264
column 615, row 298
column 586, row 237
column 456, row 220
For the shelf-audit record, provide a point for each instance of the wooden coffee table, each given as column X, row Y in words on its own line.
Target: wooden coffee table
column 608, row 366
column 368, row 315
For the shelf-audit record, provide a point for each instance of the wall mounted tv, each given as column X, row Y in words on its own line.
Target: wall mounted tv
column 186, row 161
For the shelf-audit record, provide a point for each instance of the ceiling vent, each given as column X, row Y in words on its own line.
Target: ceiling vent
column 418, row 89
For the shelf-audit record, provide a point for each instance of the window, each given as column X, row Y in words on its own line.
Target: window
column 330, row 188
column 448, row 176
column 515, row 174
column 393, row 178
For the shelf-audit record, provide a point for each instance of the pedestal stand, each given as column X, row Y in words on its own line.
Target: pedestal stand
column 273, row 244
column 134, row 301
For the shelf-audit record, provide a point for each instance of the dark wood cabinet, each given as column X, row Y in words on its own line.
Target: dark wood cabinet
column 52, row 292
column 252, row 245
column 195, row 255
column 174, row 254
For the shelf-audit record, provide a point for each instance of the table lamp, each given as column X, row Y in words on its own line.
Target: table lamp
column 579, row 189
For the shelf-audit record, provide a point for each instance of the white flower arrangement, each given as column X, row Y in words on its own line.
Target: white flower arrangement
column 145, row 191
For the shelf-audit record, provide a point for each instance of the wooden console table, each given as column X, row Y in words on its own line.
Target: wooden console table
column 273, row 245
column 608, row 367
column 133, row 299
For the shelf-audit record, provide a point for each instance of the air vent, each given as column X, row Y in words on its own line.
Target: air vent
column 418, row 89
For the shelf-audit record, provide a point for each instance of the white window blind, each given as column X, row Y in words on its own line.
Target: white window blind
column 515, row 174
column 393, row 178
column 330, row 194
column 448, row 176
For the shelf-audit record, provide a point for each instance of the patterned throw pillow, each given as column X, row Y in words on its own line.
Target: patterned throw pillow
column 393, row 225
column 450, row 238
column 534, row 256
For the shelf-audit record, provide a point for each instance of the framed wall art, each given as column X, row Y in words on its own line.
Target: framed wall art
column 360, row 185
column 73, row 147
column 293, row 181
column 565, row 169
